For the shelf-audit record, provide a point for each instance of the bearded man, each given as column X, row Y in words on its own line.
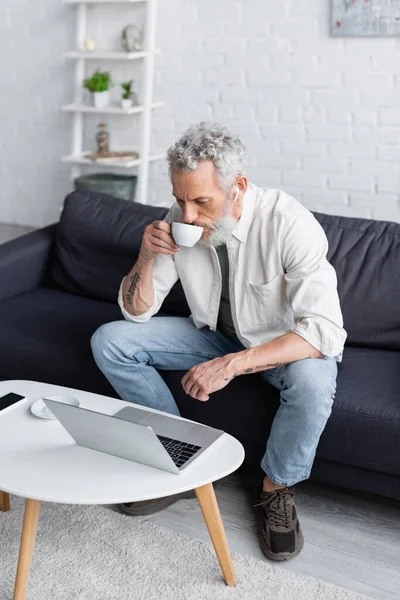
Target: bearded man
column 263, row 298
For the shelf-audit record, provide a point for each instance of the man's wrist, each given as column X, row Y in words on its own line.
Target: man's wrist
column 249, row 361
column 238, row 364
column 143, row 260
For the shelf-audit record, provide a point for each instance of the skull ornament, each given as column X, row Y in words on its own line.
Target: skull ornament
column 131, row 38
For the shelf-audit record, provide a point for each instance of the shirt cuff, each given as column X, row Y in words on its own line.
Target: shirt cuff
column 312, row 333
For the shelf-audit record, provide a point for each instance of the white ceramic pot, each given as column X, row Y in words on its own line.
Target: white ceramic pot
column 126, row 103
column 101, row 99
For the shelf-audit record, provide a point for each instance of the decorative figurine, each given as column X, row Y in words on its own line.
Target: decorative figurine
column 103, row 139
column 131, row 38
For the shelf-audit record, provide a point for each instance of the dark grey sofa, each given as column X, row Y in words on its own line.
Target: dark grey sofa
column 59, row 283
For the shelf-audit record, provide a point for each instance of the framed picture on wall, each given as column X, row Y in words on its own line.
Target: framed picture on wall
column 365, row 17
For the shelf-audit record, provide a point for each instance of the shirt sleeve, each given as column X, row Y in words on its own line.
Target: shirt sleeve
column 311, row 285
column 165, row 276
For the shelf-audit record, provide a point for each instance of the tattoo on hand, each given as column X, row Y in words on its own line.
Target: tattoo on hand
column 132, row 288
column 229, row 378
column 261, row 368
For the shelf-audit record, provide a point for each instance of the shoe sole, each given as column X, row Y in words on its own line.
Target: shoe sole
column 283, row 555
column 154, row 507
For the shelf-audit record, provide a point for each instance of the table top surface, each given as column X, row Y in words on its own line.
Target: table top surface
column 41, row 461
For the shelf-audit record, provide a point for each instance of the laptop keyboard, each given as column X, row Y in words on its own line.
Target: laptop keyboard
column 180, row 452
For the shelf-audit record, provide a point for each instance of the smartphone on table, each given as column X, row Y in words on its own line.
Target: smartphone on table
column 9, row 399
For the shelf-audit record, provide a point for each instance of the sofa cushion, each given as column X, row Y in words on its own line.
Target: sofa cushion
column 364, row 427
column 98, row 242
column 45, row 336
column 366, row 257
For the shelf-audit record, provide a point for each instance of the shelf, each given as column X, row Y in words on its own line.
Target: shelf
column 107, row 54
column 112, row 110
column 81, row 159
column 103, row 1
column 80, row 59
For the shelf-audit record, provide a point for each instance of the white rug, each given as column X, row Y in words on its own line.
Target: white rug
column 94, row 553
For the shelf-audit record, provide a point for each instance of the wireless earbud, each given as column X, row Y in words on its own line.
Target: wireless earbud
column 237, row 194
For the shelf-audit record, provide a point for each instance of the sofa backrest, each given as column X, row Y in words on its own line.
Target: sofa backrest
column 99, row 238
column 97, row 243
column 366, row 256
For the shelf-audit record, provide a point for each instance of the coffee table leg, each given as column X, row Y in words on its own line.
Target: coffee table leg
column 209, row 506
column 31, row 519
column 5, row 501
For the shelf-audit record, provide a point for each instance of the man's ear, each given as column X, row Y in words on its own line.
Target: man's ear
column 242, row 183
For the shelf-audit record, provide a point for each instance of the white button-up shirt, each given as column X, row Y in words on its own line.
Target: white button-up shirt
column 280, row 280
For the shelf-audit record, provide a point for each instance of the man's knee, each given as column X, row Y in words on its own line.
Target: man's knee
column 106, row 337
column 314, row 382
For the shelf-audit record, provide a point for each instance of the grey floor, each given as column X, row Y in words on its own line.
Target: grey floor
column 351, row 540
column 9, row 232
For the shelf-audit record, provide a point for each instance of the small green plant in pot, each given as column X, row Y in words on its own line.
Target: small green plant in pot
column 128, row 95
column 99, row 85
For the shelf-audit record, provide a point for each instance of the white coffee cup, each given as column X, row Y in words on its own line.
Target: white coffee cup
column 186, row 235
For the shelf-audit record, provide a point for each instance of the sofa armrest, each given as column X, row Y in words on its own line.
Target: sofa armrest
column 24, row 261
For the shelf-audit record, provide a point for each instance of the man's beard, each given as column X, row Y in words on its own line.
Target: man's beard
column 221, row 230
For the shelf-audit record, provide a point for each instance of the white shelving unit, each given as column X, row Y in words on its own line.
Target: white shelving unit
column 78, row 158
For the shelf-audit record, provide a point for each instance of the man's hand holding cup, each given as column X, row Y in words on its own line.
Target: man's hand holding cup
column 157, row 239
column 162, row 238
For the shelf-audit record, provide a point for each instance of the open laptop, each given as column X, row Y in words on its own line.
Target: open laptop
column 153, row 439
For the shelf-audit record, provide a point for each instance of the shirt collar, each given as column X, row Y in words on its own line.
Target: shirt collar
column 242, row 228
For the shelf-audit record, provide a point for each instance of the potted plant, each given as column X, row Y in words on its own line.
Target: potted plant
column 127, row 94
column 99, row 85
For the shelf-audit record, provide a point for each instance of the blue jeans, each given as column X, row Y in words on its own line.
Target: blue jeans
column 129, row 355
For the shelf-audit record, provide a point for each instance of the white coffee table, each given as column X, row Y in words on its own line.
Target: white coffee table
column 41, row 462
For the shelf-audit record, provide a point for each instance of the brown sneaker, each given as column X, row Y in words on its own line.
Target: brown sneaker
column 148, row 507
column 280, row 535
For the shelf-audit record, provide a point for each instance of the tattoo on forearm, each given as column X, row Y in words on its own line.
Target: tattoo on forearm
column 132, row 288
column 260, row 368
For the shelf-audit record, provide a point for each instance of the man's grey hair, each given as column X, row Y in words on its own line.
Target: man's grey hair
column 209, row 141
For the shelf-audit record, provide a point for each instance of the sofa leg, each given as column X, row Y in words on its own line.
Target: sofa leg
column 5, row 501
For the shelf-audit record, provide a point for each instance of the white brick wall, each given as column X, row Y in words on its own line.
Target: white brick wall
column 34, row 133
column 319, row 115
